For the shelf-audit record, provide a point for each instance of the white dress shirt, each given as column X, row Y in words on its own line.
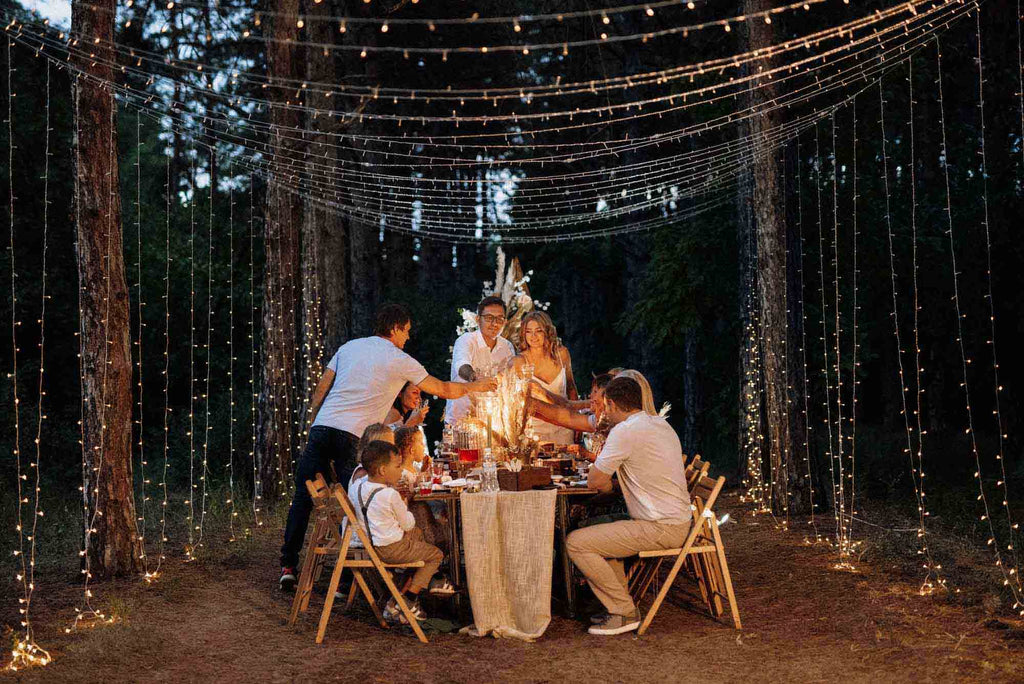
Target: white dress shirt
column 470, row 348
column 389, row 517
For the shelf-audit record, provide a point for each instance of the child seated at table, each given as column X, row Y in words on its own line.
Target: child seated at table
column 372, row 433
column 392, row 528
column 412, row 446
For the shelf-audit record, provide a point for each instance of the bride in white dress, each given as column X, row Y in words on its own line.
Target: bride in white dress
column 540, row 347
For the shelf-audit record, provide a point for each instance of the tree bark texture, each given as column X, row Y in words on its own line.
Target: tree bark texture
column 324, row 234
column 113, row 544
column 278, row 400
column 771, row 259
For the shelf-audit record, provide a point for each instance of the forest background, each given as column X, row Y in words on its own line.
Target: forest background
column 668, row 302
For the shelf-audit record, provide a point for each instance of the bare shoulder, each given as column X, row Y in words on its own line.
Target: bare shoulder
column 563, row 354
column 518, row 360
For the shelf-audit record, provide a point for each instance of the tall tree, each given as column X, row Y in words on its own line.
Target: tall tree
column 114, row 546
column 282, row 221
column 771, row 261
column 324, row 233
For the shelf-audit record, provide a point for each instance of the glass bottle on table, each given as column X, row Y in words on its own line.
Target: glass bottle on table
column 489, row 473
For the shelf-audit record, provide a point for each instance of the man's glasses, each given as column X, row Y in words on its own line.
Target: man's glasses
column 490, row 319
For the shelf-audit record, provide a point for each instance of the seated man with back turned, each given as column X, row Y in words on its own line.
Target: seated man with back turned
column 645, row 453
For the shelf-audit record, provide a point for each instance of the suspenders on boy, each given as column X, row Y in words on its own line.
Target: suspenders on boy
column 364, row 506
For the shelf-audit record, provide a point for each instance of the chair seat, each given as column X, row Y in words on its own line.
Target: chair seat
column 675, row 552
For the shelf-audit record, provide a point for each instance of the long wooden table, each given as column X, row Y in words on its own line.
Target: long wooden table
column 451, row 502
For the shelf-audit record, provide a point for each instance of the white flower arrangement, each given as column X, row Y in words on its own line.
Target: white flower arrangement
column 511, row 284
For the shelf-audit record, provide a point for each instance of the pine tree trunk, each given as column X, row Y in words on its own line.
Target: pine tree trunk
column 114, row 546
column 324, row 248
column 282, row 221
column 771, row 259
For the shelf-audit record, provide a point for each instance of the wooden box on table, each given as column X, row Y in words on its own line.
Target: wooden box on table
column 525, row 480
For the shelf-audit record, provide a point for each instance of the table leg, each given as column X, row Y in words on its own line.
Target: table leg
column 455, row 562
column 562, row 506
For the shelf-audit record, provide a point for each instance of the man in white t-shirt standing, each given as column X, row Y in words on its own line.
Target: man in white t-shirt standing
column 356, row 389
column 645, row 452
column 474, row 351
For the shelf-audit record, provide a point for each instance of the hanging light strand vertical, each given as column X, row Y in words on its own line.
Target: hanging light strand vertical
column 138, row 345
column 205, row 475
column 998, row 389
column 190, row 550
column 803, row 339
column 257, row 487
column 25, row 652
column 854, row 363
column 843, row 540
column 232, row 513
column 826, row 375
column 167, row 364
column 986, row 516
column 904, row 409
column 932, row 569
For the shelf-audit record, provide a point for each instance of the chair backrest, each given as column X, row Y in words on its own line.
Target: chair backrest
column 318, row 490
column 693, row 474
column 704, row 493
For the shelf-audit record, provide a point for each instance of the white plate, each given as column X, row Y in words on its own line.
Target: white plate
column 461, row 482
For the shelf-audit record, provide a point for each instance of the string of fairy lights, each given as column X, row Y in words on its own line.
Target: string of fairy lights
column 534, row 132
column 826, row 376
column 191, row 550
column 702, row 180
column 844, row 541
column 166, row 369
column 1009, row 580
column 139, row 304
column 904, row 409
column 933, row 577
column 991, row 341
column 257, row 486
column 232, row 513
column 204, row 477
column 855, row 342
column 803, row 349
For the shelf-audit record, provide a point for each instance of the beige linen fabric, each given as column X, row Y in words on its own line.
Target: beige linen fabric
column 508, row 540
column 598, row 551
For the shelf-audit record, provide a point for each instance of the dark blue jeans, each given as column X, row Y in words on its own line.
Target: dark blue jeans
column 325, row 445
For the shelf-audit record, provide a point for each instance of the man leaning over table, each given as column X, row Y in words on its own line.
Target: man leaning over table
column 474, row 351
column 356, row 389
column 646, row 454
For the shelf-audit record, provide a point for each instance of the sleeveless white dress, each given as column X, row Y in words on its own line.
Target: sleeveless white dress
column 545, row 431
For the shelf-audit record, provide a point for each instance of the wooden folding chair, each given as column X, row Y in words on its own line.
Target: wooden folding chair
column 696, row 469
column 703, row 547
column 333, row 509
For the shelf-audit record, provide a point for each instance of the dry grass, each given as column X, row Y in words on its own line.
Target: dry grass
column 223, row 620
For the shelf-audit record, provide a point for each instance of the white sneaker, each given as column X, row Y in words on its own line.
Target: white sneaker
column 616, row 624
column 394, row 614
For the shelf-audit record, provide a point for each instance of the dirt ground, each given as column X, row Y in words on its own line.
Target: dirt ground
column 224, row 620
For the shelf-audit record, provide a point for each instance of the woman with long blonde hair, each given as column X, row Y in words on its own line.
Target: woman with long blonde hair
column 540, row 347
column 645, row 389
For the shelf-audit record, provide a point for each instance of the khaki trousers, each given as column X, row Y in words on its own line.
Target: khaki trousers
column 410, row 549
column 597, row 551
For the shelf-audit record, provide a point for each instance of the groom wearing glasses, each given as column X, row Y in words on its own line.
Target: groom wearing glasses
column 479, row 350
